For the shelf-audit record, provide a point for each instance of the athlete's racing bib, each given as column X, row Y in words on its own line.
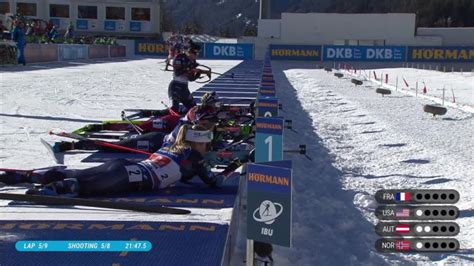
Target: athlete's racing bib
column 158, row 123
column 164, row 170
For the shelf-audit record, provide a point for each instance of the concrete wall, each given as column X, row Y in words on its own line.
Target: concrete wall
column 261, row 44
column 450, row 36
column 35, row 53
column 324, row 28
column 269, row 28
column 99, row 51
column 355, row 29
column 359, row 29
column 425, row 40
column 72, row 52
column 129, row 46
column 117, row 51
column 97, row 25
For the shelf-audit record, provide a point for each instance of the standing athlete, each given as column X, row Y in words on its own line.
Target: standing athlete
column 184, row 71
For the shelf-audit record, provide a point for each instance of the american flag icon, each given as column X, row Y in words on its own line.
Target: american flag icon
column 402, row 213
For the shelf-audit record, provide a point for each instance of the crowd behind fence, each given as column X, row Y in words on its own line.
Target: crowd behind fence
column 42, row 32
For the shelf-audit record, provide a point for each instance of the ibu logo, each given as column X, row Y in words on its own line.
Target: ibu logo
column 224, row 50
column 267, row 212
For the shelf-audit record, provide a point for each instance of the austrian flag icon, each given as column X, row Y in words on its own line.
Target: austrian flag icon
column 402, row 228
column 403, row 196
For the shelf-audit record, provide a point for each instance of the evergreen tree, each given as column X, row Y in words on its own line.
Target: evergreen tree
column 250, row 30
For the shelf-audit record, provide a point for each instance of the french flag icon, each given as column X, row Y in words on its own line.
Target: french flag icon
column 403, row 196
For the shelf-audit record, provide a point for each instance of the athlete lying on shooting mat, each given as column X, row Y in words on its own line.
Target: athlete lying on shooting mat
column 181, row 161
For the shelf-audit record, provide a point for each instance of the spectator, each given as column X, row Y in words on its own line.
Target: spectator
column 29, row 28
column 49, row 26
column 51, row 31
column 2, row 29
column 18, row 35
column 69, row 35
column 37, row 29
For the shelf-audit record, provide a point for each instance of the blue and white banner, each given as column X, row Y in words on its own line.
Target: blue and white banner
column 269, row 203
column 267, row 107
column 83, row 246
column 440, row 54
column 295, row 52
column 82, row 24
column 135, row 26
column 267, row 91
column 228, row 51
column 109, row 25
column 269, row 139
column 364, row 53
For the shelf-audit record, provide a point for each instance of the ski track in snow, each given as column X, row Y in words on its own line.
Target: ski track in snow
column 360, row 143
column 459, row 86
column 69, row 95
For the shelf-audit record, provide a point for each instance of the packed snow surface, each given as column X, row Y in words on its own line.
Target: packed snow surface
column 361, row 142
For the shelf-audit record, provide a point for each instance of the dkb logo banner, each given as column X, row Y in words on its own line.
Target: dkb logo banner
column 150, row 47
column 440, row 54
column 228, row 51
column 364, row 53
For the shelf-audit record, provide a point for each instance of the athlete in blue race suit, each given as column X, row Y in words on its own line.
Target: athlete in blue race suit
column 181, row 161
column 184, row 70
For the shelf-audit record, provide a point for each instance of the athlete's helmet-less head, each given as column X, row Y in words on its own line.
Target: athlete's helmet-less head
column 193, row 48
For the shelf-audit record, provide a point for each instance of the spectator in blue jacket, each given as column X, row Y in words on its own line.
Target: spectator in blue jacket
column 18, row 36
column 70, row 33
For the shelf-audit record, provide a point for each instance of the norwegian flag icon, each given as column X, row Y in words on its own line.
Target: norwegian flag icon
column 402, row 245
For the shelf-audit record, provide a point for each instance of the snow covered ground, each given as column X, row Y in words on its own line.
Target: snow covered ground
column 359, row 143
column 458, row 86
column 40, row 97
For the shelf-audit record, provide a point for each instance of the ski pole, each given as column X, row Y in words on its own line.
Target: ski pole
column 172, row 112
column 138, row 129
column 98, row 142
column 119, row 147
